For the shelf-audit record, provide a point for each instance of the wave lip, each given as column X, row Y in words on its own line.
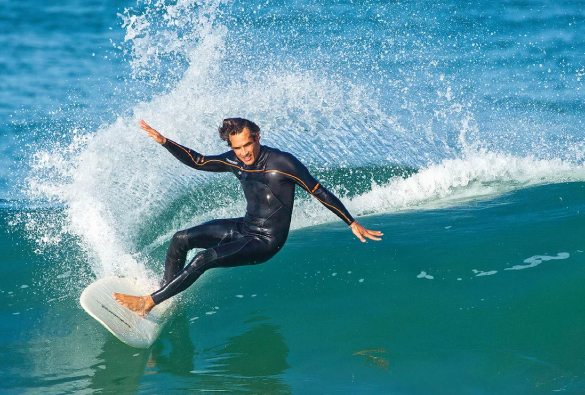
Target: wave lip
column 474, row 176
column 477, row 175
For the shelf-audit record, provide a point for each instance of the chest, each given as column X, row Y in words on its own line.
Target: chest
column 263, row 183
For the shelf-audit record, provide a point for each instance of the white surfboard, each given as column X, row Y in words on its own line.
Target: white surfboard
column 123, row 323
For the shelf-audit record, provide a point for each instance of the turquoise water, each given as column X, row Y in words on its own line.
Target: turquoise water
column 455, row 129
column 329, row 315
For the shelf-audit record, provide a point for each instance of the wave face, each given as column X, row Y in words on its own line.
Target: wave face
column 455, row 128
column 386, row 111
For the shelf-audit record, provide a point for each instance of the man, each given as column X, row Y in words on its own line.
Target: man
column 268, row 177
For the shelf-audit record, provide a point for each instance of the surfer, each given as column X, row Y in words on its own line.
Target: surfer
column 268, row 177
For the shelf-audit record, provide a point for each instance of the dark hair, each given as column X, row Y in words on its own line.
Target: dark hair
column 233, row 126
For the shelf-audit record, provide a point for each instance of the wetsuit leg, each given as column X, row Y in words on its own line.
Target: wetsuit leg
column 206, row 235
column 245, row 251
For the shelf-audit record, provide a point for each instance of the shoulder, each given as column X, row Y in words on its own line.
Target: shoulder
column 285, row 162
column 282, row 158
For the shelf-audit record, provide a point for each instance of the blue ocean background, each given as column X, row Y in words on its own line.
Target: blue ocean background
column 454, row 128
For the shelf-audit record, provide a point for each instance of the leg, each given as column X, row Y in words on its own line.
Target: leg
column 246, row 251
column 207, row 235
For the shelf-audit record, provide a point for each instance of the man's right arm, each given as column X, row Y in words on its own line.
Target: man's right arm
column 195, row 160
column 188, row 156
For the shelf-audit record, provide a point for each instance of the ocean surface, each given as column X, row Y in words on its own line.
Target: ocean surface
column 455, row 128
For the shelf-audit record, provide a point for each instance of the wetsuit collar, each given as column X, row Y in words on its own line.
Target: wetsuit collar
column 261, row 160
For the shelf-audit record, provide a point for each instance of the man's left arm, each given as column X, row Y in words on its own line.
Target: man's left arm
column 304, row 179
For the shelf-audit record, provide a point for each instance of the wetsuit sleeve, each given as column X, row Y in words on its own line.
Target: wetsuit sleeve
column 301, row 176
column 197, row 161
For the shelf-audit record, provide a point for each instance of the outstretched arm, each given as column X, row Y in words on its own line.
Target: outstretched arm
column 188, row 156
column 300, row 174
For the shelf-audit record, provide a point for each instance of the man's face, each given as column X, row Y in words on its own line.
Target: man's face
column 245, row 146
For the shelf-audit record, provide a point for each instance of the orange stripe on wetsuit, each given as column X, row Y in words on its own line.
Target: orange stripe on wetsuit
column 203, row 157
column 204, row 162
column 311, row 192
column 285, row 160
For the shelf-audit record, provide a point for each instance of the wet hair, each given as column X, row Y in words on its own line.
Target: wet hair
column 233, row 126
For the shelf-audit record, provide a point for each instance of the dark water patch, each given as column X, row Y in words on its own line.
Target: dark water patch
column 349, row 182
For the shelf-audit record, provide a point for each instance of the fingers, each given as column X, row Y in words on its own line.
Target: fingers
column 145, row 126
column 360, row 232
column 159, row 138
column 371, row 234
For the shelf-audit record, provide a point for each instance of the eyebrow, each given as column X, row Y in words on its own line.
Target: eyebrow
column 245, row 145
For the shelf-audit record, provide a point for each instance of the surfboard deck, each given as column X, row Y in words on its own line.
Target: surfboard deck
column 123, row 323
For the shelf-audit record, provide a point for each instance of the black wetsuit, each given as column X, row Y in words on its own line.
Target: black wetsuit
column 269, row 187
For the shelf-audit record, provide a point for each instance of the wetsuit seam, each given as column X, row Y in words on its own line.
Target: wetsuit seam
column 329, row 205
column 211, row 160
column 235, row 252
column 222, row 239
column 290, row 175
column 279, row 201
column 267, row 218
column 188, row 153
column 239, row 249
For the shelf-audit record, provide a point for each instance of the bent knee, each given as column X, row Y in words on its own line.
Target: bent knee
column 180, row 242
column 180, row 238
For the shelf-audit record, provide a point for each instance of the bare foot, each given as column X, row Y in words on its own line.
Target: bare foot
column 141, row 305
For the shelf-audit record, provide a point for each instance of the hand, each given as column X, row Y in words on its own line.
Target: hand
column 159, row 138
column 360, row 232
